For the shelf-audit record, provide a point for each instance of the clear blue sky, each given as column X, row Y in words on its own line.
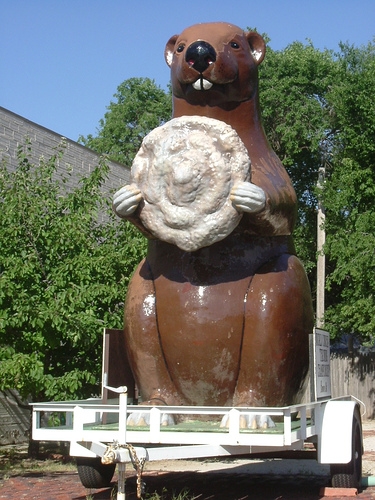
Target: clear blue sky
column 62, row 60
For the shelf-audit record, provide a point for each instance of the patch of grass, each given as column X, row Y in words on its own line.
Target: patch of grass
column 183, row 495
column 14, row 461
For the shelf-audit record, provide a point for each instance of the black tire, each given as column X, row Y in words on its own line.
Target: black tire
column 350, row 475
column 93, row 474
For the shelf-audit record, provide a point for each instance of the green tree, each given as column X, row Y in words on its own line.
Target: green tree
column 140, row 106
column 63, row 277
column 318, row 111
column 349, row 195
column 294, row 83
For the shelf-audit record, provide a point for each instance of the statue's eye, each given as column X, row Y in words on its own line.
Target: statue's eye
column 234, row 45
column 181, row 47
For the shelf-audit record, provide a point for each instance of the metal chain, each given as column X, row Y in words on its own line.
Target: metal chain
column 109, row 457
column 138, row 464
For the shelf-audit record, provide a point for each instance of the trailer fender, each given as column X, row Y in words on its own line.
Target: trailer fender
column 335, row 439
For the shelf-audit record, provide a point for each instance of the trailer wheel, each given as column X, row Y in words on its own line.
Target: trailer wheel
column 93, row 474
column 349, row 475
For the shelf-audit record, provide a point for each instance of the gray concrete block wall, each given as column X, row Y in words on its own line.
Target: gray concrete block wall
column 77, row 158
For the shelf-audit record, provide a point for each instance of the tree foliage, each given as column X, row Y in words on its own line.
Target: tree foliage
column 349, row 196
column 318, row 112
column 294, row 84
column 63, row 277
column 140, row 106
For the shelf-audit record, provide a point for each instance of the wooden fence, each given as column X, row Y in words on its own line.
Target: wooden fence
column 355, row 374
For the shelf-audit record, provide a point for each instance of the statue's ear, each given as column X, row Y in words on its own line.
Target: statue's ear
column 257, row 45
column 169, row 49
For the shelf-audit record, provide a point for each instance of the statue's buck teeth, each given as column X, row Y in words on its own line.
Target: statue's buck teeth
column 202, row 84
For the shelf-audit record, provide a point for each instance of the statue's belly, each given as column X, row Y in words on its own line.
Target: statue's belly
column 201, row 330
column 199, row 311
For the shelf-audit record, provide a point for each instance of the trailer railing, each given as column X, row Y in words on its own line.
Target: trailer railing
column 91, row 420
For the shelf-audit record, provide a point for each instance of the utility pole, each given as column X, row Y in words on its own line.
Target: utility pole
column 321, row 261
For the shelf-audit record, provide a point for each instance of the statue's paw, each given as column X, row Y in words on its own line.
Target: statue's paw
column 259, row 421
column 126, row 200
column 248, row 197
column 142, row 419
column 251, row 421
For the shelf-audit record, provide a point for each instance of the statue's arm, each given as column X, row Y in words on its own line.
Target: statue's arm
column 269, row 202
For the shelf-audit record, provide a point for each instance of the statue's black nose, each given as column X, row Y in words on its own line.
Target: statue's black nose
column 200, row 55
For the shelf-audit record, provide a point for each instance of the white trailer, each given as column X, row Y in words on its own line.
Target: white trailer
column 100, row 437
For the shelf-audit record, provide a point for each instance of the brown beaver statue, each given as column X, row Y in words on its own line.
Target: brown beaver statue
column 227, row 323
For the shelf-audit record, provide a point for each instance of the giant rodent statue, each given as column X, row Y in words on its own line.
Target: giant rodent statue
column 227, row 322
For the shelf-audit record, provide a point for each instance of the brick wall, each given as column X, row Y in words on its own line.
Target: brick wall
column 77, row 158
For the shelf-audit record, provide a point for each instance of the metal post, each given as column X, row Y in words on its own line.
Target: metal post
column 121, row 481
column 123, row 398
column 122, row 391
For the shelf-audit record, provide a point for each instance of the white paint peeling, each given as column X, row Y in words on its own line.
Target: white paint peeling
column 257, row 54
column 149, row 305
column 264, row 301
column 169, row 57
